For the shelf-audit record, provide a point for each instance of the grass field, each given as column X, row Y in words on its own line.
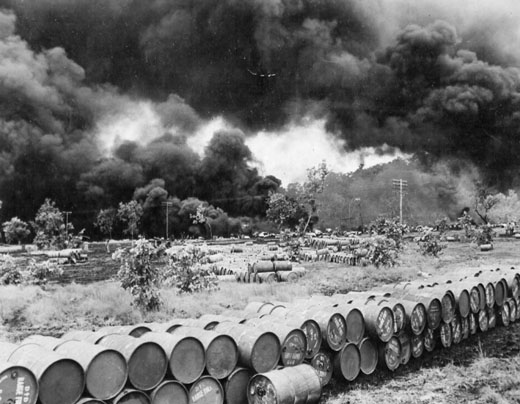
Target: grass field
column 483, row 369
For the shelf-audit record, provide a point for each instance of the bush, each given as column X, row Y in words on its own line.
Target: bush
column 9, row 272
column 186, row 273
column 34, row 273
column 139, row 275
column 382, row 251
column 483, row 235
column 430, row 244
column 390, row 228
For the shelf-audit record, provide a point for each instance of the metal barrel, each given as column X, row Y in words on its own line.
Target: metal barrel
column 257, row 349
column 283, row 266
column 206, row 390
column 306, row 382
column 355, row 322
column 186, row 355
column 465, row 327
column 473, row 324
column 512, row 309
column 390, row 354
column 90, row 400
column 332, row 325
column 369, row 356
column 263, row 266
column 235, row 386
column 347, row 362
column 210, row 321
column 474, row 295
column 492, row 318
column 254, row 307
column 147, row 360
column 456, row 329
column 18, row 384
column 294, row 385
column 221, row 350
column 446, row 335
column 503, row 314
column 166, row 327
column 293, row 340
column 132, row 330
column 416, row 289
column 322, row 364
column 309, row 326
column 60, row 379
column 87, row 336
column 169, row 392
column 429, row 339
column 417, row 346
column 379, row 320
column 105, row 369
column 131, row 396
column 267, row 277
column 406, row 347
column 288, row 276
column 483, row 320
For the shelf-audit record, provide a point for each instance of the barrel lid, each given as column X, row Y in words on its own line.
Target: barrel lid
column 236, row 386
column 206, row 390
column 369, row 356
column 147, row 365
column 170, row 391
column 187, row 360
column 131, row 396
column 17, row 384
column 265, row 352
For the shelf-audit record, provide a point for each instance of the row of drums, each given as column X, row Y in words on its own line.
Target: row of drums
column 251, row 355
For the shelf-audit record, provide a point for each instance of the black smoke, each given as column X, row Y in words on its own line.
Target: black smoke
column 427, row 79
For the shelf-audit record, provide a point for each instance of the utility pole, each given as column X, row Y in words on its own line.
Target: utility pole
column 167, row 204
column 400, row 185
column 67, row 224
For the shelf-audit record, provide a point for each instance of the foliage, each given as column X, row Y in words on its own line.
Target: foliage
column 201, row 216
column 139, row 275
column 507, row 208
column 382, row 252
column 294, row 246
column 466, row 222
column 484, row 203
column 105, row 221
column 391, row 228
column 38, row 273
column 300, row 203
column 12, row 272
column 130, row 213
column 15, row 230
column 430, row 244
column 442, row 225
column 484, row 235
column 186, row 272
column 50, row 227
column 282, row 209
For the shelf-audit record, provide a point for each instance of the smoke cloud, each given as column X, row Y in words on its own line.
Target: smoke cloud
column 100, row 98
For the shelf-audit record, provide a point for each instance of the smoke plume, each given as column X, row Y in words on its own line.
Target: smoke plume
column 433, row 78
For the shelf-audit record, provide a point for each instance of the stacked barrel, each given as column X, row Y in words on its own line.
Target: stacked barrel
column 347, row 251
column 270, row 271
column 268, row 353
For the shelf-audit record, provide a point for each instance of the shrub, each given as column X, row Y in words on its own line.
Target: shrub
column 483, row 235
column 390, row 228
column 382, row 251
column 186, row 273
column 38, row 273
column 139, row 275
column 430, row 244
column 9, row 272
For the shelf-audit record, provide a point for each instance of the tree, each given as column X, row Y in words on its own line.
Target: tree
column 105, row 221
column 50, row 227
column 130, row 213
column 484, row 202
column 507, row 208
column 16, row 230
column 299, row 198
column 201, row 216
